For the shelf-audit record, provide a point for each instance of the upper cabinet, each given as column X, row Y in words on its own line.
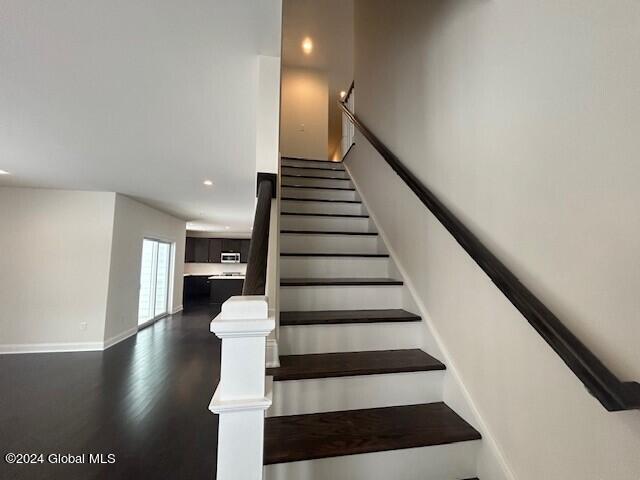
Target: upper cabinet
column 201, row 250
column 208, row 250
column 215, row 249
column 244, row 250
column 231, row 245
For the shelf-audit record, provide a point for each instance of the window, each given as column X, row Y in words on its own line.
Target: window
column 154, row 280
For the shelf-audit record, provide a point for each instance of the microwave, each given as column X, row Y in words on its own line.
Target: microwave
column 229, row 257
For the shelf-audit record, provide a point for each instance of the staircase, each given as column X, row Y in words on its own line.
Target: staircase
column 355, row 396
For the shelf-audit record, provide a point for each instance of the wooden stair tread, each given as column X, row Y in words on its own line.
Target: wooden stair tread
column 319, row 254
column 324, row 200
column 342, row 215
column 295, row 159
column 333, row 317
column 322, row 435
column 320, row 281
column 328, row 365
column 330, row 169
column 318, row 188
column 325, row 232
column 315, row 177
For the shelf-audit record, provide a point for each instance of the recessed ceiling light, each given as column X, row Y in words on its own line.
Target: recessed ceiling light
column 208, row 183
column 343, row 94
column 4, row 172
column 227, row 227
column 307, row 45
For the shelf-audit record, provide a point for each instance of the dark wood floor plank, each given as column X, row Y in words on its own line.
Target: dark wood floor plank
column 327, row 365
column 329, row 317
column 144, row 400
column 305, row 282
column 322, row 435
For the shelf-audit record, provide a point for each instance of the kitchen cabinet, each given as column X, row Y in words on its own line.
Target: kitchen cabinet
column 189, row 250
column 201, row 250
column 230, row 245
column 215, row 249
column 223, row 289
column 208, row 250
column 244, row 250
column 196, row 290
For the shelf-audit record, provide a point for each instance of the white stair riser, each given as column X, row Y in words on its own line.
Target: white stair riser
column 317, row 267
column 332, row 224
column 297, row 397
column 362, row 297
column 317, row 182
column 442, row 462
column 319, row 193
column 303, row 339
column 300, row 162
column 315, row 172
column 328, row 243
column 322, row 207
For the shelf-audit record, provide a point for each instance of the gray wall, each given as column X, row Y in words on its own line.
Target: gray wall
column 523, row 117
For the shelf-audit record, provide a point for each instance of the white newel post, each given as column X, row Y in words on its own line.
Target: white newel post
column 240, row 399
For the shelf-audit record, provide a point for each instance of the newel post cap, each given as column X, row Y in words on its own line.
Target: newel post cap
column 243, row 316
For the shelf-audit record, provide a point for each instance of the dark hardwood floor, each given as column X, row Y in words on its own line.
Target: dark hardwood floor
column 144, row 400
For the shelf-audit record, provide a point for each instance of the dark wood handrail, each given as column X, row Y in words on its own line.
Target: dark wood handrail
column 349, row 92
column 256, row 276
column 612, row 393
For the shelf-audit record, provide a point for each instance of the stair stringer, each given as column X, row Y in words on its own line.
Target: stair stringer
column 491, row 461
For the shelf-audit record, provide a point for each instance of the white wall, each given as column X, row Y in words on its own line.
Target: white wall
column 305, row 101
column 521, row 116
column 133, row 222
column 144, row 98
column 268, row 115
column 329, row 23
column 55, row 249
column 72, row 258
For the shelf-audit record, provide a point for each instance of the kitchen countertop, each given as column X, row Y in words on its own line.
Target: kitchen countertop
column 226, row 277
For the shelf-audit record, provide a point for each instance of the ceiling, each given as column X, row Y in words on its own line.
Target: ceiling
column 329, row 23
column 148, row 99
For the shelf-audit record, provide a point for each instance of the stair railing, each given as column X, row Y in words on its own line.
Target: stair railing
column 612, row 393
column 243, row 325
column 348, row 131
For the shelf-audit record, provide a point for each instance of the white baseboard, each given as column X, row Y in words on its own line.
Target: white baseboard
column 66, row 347
column 51, row 347
column 178, row 309
column 120, row 337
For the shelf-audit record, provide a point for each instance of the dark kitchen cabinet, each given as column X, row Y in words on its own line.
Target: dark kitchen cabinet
column 215, row 249
column 244, row 250
column 208, row 250
column 189, row 250
column 222, row 290
column 196, row 290
column 231, row 245
column 201, row 250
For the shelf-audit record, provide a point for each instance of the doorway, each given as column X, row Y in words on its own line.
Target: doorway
column 154, row 281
